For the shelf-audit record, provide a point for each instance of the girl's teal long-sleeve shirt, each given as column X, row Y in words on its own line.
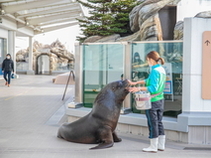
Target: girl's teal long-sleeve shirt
column 155, row 83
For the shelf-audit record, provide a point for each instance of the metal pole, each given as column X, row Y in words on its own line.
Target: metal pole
column 68, row 83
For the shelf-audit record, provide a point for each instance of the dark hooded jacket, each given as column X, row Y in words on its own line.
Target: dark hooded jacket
column 8, row 65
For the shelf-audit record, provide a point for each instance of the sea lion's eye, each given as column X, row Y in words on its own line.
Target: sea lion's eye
column 113, row 88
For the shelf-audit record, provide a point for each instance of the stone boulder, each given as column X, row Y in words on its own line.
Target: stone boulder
column 111, row 38
column 93, row 39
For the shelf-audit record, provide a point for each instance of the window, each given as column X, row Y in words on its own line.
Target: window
column 102, row 63
column 172, row 53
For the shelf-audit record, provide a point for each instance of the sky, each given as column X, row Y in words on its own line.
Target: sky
column 66, row 36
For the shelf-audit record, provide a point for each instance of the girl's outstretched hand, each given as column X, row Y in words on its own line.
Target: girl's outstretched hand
column 132, row 83
column 134, row 89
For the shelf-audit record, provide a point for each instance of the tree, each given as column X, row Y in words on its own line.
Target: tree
column 107, row 17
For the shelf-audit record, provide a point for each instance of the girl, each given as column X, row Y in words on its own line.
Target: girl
column 154, row 84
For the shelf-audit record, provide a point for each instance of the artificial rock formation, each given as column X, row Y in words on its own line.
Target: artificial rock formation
column 56, row 52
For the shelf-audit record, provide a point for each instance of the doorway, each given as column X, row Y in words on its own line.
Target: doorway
column 168, row 20
column 43, row 65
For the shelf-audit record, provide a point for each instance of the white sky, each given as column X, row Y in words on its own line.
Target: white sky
column 66, row 36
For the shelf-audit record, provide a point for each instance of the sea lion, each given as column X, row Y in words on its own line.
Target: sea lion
column 99, row 125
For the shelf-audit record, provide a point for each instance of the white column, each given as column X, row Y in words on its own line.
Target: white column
column 76, row 101
column 126, row 108
column 192, row 65
column 196, row 112
column 30, row 70
column 11, row 46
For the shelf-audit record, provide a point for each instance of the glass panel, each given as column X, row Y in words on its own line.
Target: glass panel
column 102, row 63
column 172, row 53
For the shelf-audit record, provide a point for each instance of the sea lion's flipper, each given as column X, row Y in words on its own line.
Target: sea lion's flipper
column 116, row 138
column 105, row 138
column 103, row 145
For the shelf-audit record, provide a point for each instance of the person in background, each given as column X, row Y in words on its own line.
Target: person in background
column 137, row 73
column 8, row 69
column 154, row 84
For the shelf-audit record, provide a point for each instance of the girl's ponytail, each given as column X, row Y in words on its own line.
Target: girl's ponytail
column 162, row 61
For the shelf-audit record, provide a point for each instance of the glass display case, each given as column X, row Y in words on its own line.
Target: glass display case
column 102, row 63
column 107, row 62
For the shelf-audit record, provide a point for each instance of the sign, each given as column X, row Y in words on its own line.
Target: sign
column 169, row 84
column 168, row 88
column 206, row 65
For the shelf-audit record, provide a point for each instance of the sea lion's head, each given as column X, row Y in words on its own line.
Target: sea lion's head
column 120, row 89
column 114, row 92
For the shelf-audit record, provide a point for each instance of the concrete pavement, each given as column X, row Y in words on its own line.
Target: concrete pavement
column 31, row 111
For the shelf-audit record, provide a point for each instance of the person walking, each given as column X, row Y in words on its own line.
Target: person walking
column 8, row 69
column 154, row 84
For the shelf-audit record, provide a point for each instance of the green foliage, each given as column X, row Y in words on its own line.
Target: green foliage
column 107, row 17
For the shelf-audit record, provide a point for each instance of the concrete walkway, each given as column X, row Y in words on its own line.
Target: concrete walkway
column 31, row 111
